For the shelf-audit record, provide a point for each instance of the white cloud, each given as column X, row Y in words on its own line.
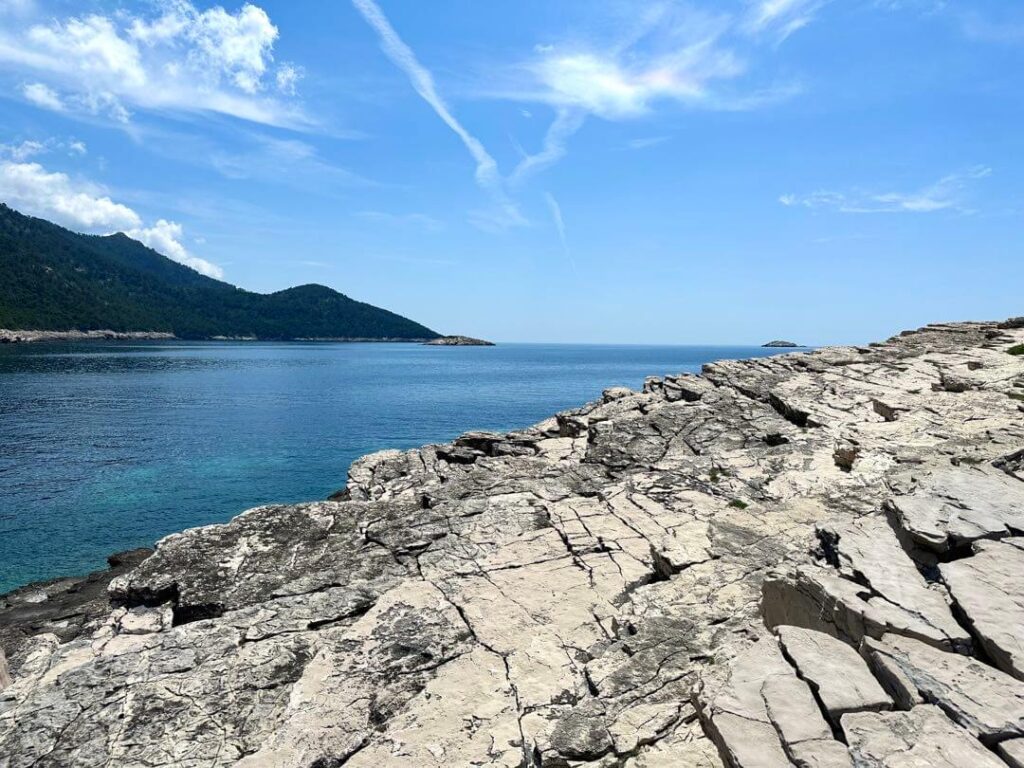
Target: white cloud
column 32, row 189
column 237, row 46
column 181, row 59
column 43, row 96
column 944, row 194
column 287, row 78
column 84, row 206
column 616, row 90
column 165, row 237
column 23, row 151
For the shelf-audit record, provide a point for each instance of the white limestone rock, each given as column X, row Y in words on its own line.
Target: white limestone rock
column 835, row 671
column 985, row 701
column 989, row 588
column 921, row 738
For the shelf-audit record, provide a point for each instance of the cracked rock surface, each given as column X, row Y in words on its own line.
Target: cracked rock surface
column 812, row 560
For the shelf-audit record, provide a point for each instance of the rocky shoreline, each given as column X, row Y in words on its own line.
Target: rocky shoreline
column 812, row 559
column 26, row 337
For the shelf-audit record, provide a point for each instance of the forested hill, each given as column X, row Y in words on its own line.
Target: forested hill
column 55, row 279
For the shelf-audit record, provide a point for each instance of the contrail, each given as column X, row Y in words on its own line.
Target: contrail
column 421, row 79
column 556, row 214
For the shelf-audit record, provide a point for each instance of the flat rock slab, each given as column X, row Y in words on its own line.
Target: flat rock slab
column 989, row 588
column 921, row 738
column 806, row 737
column 1012, row 752
column 953, row 507
column 985, row 701
column 867, row 550
column 734, row 710
column 835, row 671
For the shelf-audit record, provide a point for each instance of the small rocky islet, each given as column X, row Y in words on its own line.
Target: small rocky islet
column 811, row 559
column 458, row 341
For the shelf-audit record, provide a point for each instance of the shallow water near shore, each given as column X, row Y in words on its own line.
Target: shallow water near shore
column 105, row 446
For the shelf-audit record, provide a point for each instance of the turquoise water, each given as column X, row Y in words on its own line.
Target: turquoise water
column 109, row 446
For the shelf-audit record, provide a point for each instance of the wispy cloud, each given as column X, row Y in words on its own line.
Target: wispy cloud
column 666, row 53
column 565, row 124
column 603, row 85
column 556, row 217
column 985, row 30
column 420, row 220
column 43, row 96
column 263, row 157
column 670, row 53
column 945, row 194
column 86, row 206
column 179, row 60
column 21, row 151
column 780, row 18
column 647, row 141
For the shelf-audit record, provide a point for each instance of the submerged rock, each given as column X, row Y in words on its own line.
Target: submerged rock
column 600, row 589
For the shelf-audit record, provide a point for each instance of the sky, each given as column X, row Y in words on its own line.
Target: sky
column 593, row 171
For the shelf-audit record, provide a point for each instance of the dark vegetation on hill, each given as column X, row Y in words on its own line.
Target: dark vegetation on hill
column 55, row 279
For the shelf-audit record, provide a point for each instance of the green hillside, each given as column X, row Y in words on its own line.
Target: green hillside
column 55, row 279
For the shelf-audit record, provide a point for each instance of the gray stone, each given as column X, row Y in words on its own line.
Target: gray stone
column 989, row 588
column 734, row 710
column 985, row 701
column 952, row 507
column 1012, row 752
column 835, row 671
column 923, row 737
column 806, row 737
column 867, row 550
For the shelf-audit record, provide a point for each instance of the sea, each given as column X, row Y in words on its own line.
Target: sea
column 107, row 446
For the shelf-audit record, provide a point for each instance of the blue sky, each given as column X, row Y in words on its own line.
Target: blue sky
column 598, row 171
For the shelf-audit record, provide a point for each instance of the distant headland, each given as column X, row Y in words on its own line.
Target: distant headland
column 57, row 285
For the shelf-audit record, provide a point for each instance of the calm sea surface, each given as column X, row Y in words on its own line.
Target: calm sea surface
column 109, row 446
